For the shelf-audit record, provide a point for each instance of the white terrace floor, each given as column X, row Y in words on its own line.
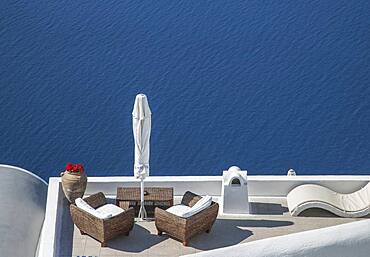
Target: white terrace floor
column 271, row 219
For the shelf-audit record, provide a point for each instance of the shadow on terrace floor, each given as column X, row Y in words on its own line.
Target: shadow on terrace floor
column 226, row 232
column 261, row 208
column 317, row 212
column 130, row 243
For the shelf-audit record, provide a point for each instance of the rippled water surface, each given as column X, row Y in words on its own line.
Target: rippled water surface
column 266, row 86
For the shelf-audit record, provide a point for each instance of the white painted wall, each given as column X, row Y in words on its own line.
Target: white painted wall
column 202, row 184
column 258, row 186
column 351, row 239
column 22, row 209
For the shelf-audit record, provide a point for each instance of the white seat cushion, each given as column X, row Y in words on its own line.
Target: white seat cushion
column 178, row 210
column 110, row 209
column 186, row 211
column 80, row 203
column 83, row 205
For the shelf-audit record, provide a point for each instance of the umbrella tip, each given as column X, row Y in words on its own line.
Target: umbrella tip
column 141, row 95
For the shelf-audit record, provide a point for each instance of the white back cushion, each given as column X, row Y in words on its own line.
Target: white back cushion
column 84, row 205
column 207, row 200
column 178, row 210
column 199, row 206
column 110, row 210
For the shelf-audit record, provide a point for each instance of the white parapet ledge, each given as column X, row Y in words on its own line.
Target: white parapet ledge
column 219, row 178
column 155, row 178
column 50, row 233
column 310, row 178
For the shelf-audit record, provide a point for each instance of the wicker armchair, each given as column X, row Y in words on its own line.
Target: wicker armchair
column 102, row 229
column 185, row 228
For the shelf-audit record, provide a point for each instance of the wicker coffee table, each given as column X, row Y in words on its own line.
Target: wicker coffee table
column 161, row 197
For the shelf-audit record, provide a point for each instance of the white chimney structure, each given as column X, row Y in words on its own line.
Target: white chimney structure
column 235, row 191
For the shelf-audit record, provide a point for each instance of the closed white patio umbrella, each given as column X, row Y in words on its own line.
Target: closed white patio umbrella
column 141, row 125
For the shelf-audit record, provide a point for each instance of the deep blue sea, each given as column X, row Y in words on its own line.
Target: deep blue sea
column 265, row 85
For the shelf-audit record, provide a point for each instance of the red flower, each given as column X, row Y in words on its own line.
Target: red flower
column 69, row 166
column 74, row 167
column 80, row 167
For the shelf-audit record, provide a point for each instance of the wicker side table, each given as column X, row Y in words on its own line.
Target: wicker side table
column 161, row 197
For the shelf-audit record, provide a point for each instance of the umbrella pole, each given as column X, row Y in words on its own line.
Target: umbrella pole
column 142, row 212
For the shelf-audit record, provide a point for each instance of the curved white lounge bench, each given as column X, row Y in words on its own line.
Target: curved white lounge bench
column 22, row 211
column 309, row 196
